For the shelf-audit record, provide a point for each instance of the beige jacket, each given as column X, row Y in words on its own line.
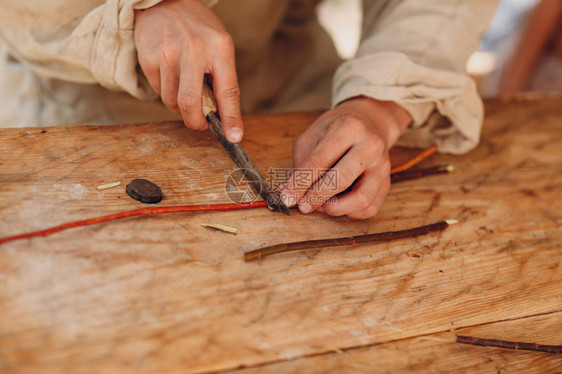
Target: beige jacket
column 74, row 62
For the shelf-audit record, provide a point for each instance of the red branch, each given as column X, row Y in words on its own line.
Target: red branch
column 135, row 213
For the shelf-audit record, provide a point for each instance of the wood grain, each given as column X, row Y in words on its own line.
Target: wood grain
column 162, row 294
column 438, row 353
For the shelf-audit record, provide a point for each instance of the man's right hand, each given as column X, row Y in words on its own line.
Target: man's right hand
column 178, row 42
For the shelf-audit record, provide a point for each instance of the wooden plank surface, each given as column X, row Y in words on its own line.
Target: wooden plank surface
column 163, row 294
column 440, row 353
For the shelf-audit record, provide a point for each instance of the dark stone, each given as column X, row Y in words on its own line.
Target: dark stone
column 144, row 191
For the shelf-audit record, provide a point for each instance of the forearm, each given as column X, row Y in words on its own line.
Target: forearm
column 413, row 53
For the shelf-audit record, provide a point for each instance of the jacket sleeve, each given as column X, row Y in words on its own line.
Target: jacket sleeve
column 413, row 52
column 78, row 41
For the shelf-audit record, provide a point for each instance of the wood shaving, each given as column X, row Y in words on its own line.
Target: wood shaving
column 108, row 185
column 229, row 229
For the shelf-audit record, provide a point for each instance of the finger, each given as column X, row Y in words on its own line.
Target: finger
column 324, row 155
column 169, row 88
column 368, row 192
column 308, row 140
column 304, row 144
column 151, row 71
column 227, row 93
column 372, row 210
column 336, row 180
column 190, row 96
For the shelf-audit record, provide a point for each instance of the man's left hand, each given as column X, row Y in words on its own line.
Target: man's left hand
column 351, row 141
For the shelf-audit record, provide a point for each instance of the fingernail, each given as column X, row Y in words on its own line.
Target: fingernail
column 305, row 208
column 236, row 134
column 287, row 199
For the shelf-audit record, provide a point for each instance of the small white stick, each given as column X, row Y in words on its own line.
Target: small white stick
column 109, row 185
column 221, row 227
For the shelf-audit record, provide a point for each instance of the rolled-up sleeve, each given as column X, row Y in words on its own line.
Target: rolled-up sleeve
column 77, row 41
column 414, row 52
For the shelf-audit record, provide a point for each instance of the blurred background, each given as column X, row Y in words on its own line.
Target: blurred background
column 520, row 51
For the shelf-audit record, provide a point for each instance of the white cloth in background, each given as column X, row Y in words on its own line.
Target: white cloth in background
column 65, row 62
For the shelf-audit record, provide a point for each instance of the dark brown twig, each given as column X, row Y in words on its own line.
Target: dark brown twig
column 509, row 345
column 419, row 173
column 350, row 240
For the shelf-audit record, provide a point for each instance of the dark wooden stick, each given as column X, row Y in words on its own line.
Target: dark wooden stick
column 509, row 345
column 349, row 240
column 134, row 213
column 419, row 173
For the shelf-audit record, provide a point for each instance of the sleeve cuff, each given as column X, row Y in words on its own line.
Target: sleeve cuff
column 114, row 62
column 445, row 106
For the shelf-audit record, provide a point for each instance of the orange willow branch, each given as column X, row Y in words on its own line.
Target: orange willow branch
column 135, row 213
column 419, row 173
column 414, row 161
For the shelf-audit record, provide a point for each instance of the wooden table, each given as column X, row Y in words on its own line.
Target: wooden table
column 163, row 294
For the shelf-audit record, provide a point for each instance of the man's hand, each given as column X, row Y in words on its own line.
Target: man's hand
column 178, row 42
column 352, row 140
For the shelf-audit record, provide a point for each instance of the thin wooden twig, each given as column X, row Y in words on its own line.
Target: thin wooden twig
column 419, row 173
column 509, row 345
column 349, row 240
column 134, row 213
column 414, row 161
